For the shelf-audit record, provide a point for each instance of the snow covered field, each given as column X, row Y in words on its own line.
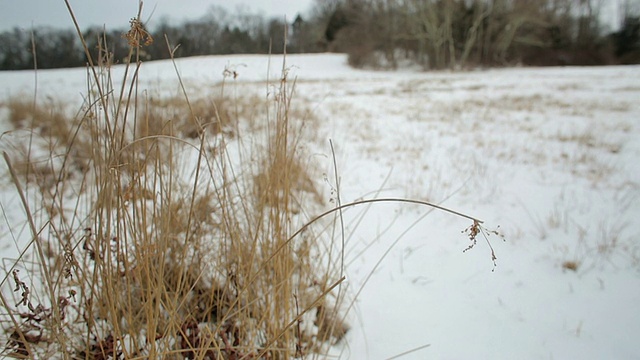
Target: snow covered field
column 550, row 155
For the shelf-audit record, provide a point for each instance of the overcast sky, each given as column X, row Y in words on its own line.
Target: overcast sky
column 115, row 14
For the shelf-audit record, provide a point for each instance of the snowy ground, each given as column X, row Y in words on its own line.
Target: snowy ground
column 550, row 155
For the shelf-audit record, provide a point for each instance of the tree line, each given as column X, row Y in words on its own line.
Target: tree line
column 216, row 32
column 435, row 34
column 438, row 34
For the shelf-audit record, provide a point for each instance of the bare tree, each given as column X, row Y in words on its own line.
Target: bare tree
column 481, row 11
column 424, row 25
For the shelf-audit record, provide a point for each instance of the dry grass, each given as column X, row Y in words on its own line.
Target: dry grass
column 160, row 245
column 175, row 117
column 48, row 127
column 162, row 232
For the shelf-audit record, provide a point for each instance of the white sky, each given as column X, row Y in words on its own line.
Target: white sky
column 116, row 13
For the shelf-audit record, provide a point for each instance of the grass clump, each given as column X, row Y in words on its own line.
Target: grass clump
column 173, row 240
column 164, row 230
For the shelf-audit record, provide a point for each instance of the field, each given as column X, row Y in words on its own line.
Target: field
column 547, row 158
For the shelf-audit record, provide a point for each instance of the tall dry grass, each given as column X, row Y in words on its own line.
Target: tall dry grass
column 158, row 230
column 150, row 239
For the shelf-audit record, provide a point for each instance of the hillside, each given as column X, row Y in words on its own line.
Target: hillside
column 546, row 157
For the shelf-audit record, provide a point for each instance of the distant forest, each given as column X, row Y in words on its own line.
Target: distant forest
column 433, row 34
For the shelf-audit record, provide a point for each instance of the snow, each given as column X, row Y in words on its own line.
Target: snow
column 547, row 154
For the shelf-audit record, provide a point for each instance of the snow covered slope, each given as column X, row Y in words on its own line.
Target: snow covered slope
column 550, row 155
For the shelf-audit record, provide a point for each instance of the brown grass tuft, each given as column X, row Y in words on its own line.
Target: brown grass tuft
column 159, row 244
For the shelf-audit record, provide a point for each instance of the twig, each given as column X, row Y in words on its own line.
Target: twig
column 409, row 352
